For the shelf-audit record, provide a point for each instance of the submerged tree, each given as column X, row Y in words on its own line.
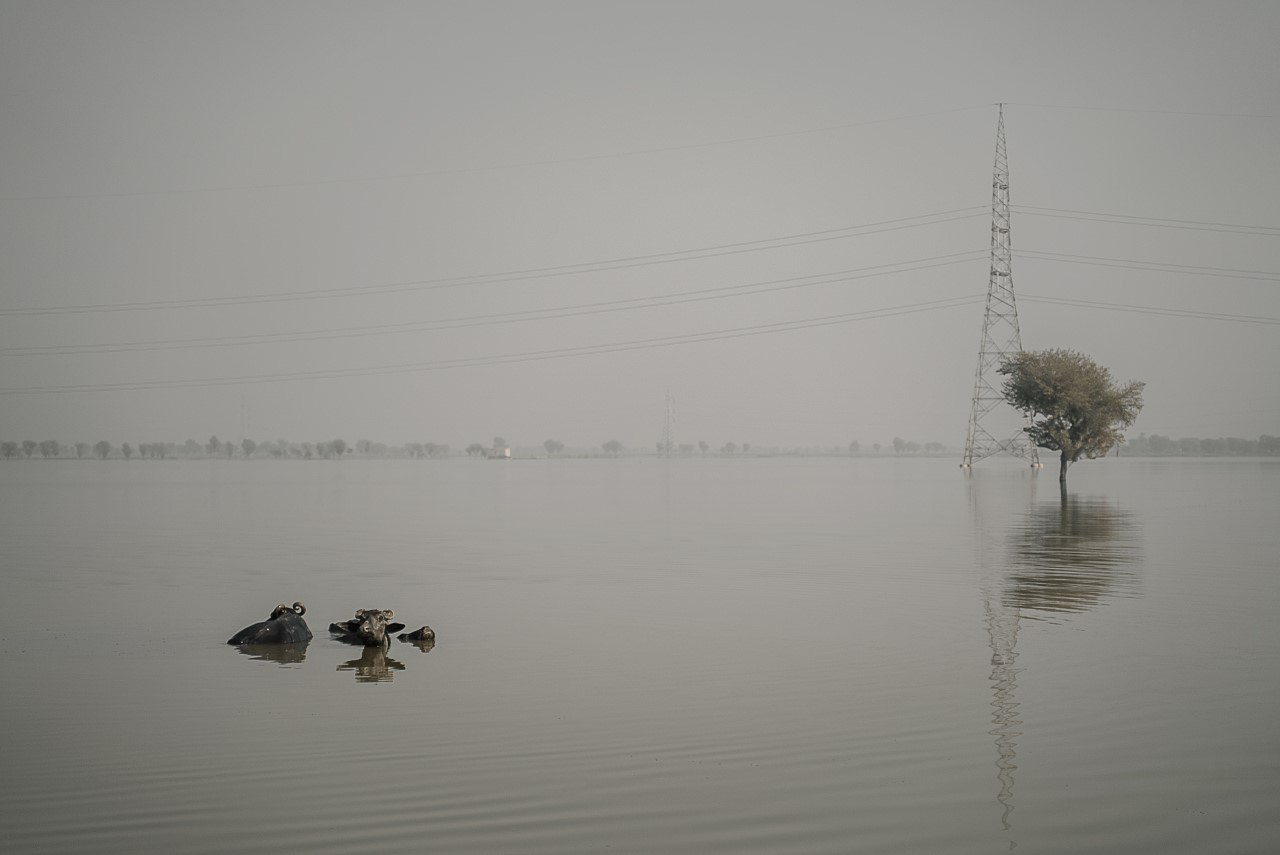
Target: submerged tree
column 1074, row 406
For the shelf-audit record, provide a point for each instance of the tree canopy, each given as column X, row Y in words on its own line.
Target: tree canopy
column 1074, row 406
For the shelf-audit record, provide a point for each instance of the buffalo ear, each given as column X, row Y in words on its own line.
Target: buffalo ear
column 394, row 627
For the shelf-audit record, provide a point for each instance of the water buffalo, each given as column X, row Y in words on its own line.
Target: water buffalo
column 369, row 627
column 418, row 635
column 285, row 626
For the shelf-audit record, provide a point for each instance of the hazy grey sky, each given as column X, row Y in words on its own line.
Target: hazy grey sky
column 294, row 160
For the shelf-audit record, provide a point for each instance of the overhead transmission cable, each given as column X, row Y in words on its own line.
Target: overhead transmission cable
column 1157, row 266
column 1155, row 222
column 619, row 347
column 625, row 304
column 1197, row 113
column 626, row 262
column 492, row 318
column 1151, row 310
column 509, row 358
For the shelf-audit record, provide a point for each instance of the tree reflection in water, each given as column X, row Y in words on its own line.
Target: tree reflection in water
column 282, row 654
column 373, row 666
column 1062, row 557
column 1068, row 556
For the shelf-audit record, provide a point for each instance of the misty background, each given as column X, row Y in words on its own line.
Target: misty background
column 448, row 222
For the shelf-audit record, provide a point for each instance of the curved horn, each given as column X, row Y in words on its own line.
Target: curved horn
column 279, row 610
column 300, row 608
column 359, row 613
column 389, row 614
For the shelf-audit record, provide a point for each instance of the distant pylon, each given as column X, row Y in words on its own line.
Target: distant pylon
column 665, row 451
column 1000, row 335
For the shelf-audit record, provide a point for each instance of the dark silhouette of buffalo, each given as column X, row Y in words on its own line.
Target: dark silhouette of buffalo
column 418, row 635
column 285, row 626
column 370, row 627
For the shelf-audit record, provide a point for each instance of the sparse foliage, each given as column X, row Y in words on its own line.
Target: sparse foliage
column 1074, row 406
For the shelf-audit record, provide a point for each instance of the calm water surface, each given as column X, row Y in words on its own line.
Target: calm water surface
column 702, row 656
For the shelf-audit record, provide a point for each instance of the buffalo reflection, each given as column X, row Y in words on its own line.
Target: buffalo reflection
column 281, row 654
column 1068, row 556
column 373, row 666
column 424, row 646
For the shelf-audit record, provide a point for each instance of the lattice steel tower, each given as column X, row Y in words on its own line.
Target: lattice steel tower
column 990, row 416
column 666, row 446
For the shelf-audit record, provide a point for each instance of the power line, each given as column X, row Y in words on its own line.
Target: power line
column 1142, row 111
column 625, row 304
column 1155, row 222
column 1160, row 267
column 1031, row 208
column 550, row 313
column 715, row 251
column 563, row 161
column 510, row 358
column 620, row 347
column 626, row 262
column 1154, row 310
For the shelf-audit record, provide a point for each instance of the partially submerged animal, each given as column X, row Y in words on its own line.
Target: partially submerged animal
column 370, row 627
column 418, row 635
column 285, row 626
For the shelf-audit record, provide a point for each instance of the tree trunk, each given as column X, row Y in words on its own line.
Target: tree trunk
column 1062, row 473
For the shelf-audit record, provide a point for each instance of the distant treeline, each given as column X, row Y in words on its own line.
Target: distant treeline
column 1142, row 445
column 1156, row 445
column 102, row 449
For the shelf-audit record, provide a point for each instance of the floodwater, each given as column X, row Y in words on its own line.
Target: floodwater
column 691, row 656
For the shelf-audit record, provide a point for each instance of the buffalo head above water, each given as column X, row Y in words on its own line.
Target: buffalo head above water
column 370, row 627
column 285, row 626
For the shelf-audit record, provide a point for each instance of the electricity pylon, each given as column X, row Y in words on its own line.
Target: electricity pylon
column 1000, row 335
column 667, row 445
